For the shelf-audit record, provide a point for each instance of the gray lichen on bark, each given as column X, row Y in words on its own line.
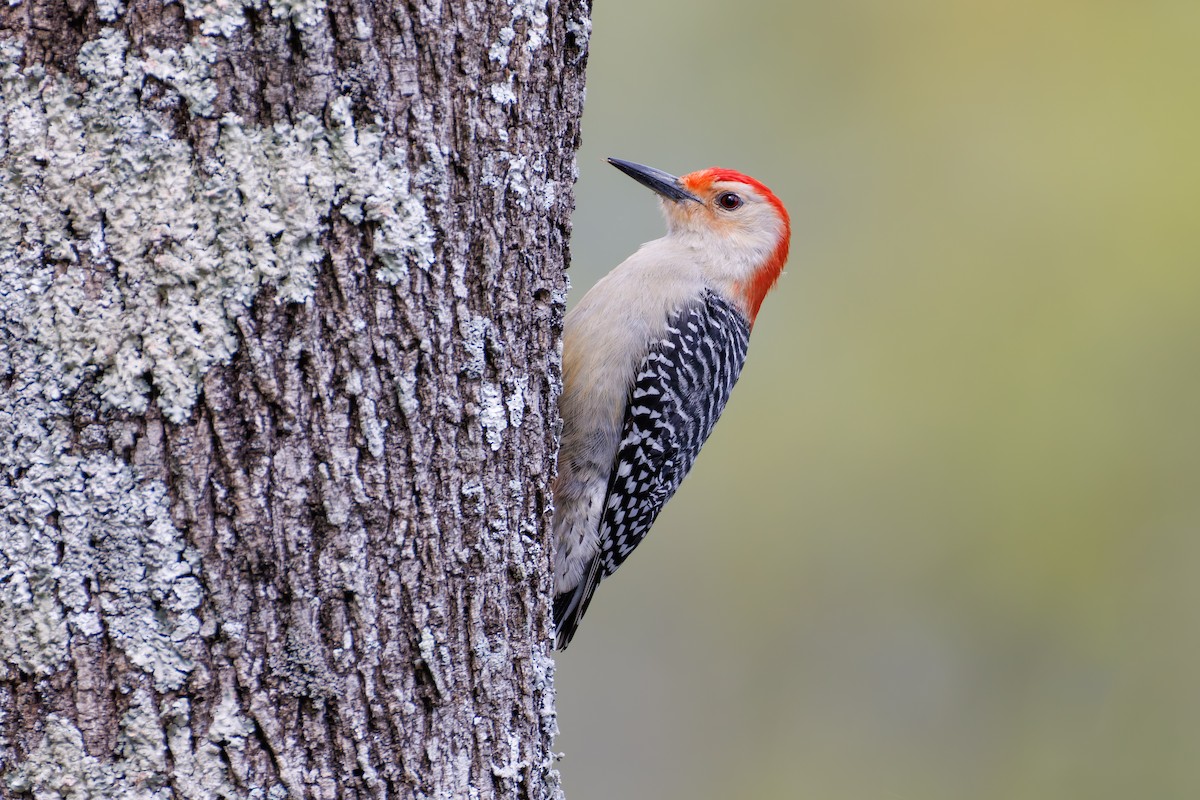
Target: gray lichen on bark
column 193, row 247
column 280, row 294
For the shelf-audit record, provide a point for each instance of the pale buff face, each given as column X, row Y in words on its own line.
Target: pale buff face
column 744, row 236
column 737, row 228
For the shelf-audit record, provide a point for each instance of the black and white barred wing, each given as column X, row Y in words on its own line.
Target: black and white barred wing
column 680, row 390
column 678, row 394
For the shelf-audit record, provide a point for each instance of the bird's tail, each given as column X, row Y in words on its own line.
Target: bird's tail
column 570, row 606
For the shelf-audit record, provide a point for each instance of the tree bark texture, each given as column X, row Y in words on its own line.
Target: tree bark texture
column 281, row 289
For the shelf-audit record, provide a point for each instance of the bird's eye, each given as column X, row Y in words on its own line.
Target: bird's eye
column 729, row 201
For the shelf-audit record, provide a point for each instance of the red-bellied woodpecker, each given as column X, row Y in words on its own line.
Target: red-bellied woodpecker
column 650, row 356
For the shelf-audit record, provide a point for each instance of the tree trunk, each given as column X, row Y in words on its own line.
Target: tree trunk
column 281, row 289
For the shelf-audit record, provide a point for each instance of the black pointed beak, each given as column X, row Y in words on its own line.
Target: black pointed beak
column 664, row 183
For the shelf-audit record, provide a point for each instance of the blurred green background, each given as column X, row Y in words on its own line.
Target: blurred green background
column 944, row 542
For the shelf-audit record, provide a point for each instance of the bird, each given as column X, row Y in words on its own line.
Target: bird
column 650, row 356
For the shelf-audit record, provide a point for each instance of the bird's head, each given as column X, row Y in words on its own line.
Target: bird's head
column 736, row 225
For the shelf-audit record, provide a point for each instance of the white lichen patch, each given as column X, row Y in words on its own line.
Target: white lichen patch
column 218, row 17
column 224, row 17
column 107, row 10
column 516, row 402
column 373, row 426
column 493, row 414
column 187, row 72
column 536, row 19
column 141, row 258
column 305, row 14
column 141, row 744
column 549, row 195
column 498, row 51
column 521, row 177
column 379, row 192
column 200, row 764
column 581, row 29
column 229, row 726
column 80, row 532
column 474, row 330
column 503, row 93
column 534, row 13
column 61, row 767
column 513, row 769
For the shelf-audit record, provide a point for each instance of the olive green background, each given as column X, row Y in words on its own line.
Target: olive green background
column 945, row 542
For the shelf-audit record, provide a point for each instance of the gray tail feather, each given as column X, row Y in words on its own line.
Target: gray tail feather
column 570, row 606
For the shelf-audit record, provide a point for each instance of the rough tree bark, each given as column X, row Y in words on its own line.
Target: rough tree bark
column 281, row 287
